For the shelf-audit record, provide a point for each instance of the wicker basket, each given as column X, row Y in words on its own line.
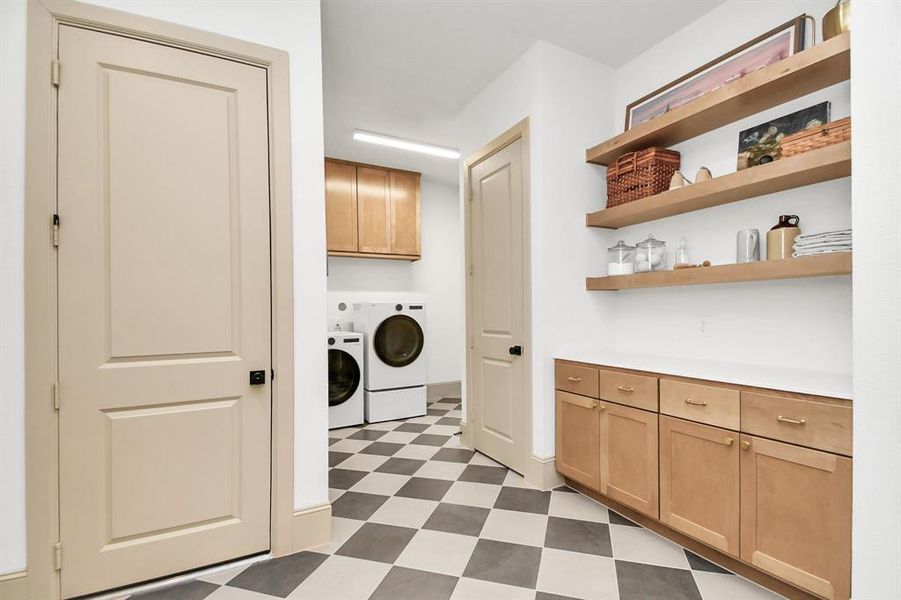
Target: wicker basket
column 640, row 174
column 818, row 137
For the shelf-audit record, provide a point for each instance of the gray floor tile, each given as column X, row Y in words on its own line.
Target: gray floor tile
column 565, row 488
column 278, row 576
column 456, row 518
column 336, row 458
column 400, row 466
column 424, row 488
column 381, row 448
column 409, row 584
column 618, row 519
column 649, row 582
column 448, row 421
column 482, row 474
column 344, row 479
column 501, row 562
column 578, row 536
column 378, row 542
column 458, row 455
column 413, row 427
column 430, row 439
column 699, row 563
column 434, row 412
column 355, row 505
column 546, row 596
column 190, row 590
column 367, row 434
column 522, row 499
column 332, row 440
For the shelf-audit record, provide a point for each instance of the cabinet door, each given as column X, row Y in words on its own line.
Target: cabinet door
column 699, row 482
column 796, row 515
column 340, row 207
column 405, row 213
column 578, row 441
column 374, row 210
column 629, row 456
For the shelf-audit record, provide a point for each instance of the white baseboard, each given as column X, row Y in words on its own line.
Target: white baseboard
column 447, row 389
column 311, row 527
column 542, row 473
column 12, row 586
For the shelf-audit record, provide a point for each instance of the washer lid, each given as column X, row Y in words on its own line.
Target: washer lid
column 398, row 340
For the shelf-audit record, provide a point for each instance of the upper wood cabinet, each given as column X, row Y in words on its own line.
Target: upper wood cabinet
column 371, row 212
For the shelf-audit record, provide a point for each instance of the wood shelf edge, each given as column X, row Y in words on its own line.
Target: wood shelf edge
column 815, row 68
column 340, row 254
column 824, row 265
column 815, row 166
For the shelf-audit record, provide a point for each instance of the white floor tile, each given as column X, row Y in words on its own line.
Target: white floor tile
column 404, row 512
column 222, row 577
column 438, row 552
column 233, row 593
column 347, row 445
column 515, row 480
column 442, row 430
column 427, row 419
column 476, row 589
column 577, row 506
column 455, row 441
column 481, row 459
column 576, row 574
column 439, row 469
column 515, row 527
column 385, row 484
column 334, row 494
column 472, row 494
column 342, row 577
column 363, row 462
column 342, row 529
column 714, row 586
column 398, row 437
column 640, row 545
column 384, row 425
column 417, row 451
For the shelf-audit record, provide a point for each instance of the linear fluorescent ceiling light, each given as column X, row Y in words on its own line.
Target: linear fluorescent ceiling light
column 396, row 142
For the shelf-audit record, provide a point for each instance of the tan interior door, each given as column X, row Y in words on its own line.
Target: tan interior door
column 164, row 308
column 341, row 207
column 497, row 306
column 374, row 210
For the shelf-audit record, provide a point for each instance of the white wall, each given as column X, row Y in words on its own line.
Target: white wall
column 568, row 99
column 291, row 26
column 434, row 280
column 744, row 323
column 876, row 87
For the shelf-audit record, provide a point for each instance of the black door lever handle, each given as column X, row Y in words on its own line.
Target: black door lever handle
column 516, row 350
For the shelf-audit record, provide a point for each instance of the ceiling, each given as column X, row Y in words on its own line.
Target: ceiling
column 407, row 67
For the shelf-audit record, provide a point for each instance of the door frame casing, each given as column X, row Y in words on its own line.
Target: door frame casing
column 534, row 468
column 41, row 356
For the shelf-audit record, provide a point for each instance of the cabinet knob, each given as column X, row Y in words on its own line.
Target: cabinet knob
column 728, row 441
column 603, row 407
column 745, row 445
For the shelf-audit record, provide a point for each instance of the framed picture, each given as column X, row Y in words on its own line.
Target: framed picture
column 763, row 143
column 771, row 47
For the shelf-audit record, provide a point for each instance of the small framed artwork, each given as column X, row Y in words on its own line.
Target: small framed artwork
column 763, row 144
column 771, row 47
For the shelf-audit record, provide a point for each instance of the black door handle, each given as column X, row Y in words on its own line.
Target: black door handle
column 516, row 350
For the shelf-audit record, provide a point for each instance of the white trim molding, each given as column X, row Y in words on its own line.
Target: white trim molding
column 311, row 527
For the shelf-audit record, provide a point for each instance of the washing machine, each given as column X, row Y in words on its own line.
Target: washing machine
column 346, row 369
column 395, row 366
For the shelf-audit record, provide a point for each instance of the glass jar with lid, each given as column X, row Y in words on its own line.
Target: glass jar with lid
column 620, row 259
column 650, row 255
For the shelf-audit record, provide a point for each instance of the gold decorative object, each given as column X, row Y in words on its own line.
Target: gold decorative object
column 837, row 20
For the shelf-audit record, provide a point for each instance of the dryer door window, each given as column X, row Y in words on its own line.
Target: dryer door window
column 398, row 341
column 343, row 377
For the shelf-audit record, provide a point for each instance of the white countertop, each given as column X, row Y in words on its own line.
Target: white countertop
column 804, row 381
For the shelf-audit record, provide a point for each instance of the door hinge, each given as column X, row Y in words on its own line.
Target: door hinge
column 58, row 556
column 55, row 230
column 55, row 387
column 471, row 269
column 54, row 73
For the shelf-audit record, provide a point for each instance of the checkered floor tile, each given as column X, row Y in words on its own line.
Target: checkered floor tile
column 417, row 516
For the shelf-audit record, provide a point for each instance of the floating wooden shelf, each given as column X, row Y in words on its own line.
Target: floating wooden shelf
column 805, row 72
column 340, row 254
column 831, row 162
column 838, row 263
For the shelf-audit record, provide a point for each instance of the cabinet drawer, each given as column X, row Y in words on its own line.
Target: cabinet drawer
column 703, row 403
column 577, row 379
column 809, row 423
column 633, row 390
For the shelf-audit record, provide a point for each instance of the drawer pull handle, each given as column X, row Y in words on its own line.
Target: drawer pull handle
column 625, row 388
column 728, row 441
column 782, row 419
column 695, row 402
column 574, row 379
column 603, row 407
column 745, row 445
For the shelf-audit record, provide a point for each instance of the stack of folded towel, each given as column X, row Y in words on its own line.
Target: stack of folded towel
column 809, row 244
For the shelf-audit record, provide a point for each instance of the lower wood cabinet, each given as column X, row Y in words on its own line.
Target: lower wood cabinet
column 578, row 439
column 796, row 515
column 628, row 456
column 699, row 482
